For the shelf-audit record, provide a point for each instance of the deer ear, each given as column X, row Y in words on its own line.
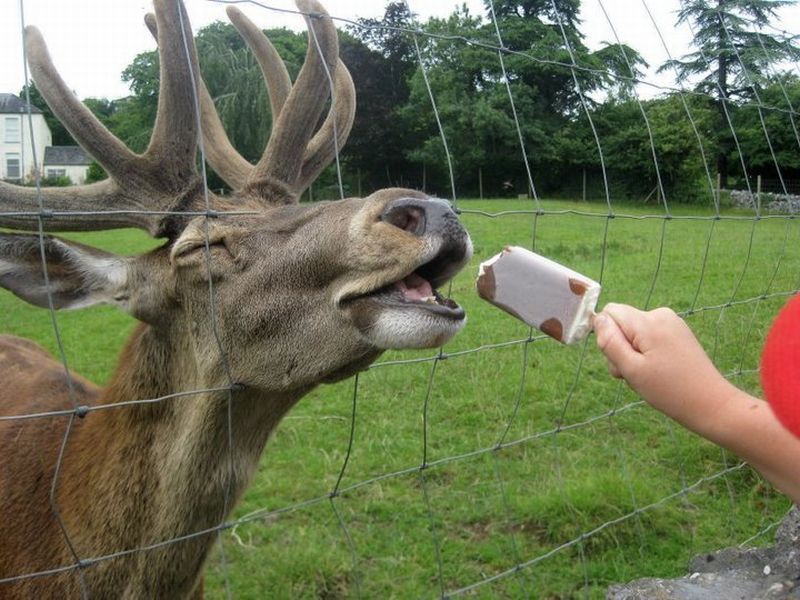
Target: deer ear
column 78, row 275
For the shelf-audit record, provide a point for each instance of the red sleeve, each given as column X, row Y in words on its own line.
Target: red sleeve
column 780, row 366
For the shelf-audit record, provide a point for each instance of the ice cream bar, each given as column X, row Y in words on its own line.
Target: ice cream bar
column 544, row 294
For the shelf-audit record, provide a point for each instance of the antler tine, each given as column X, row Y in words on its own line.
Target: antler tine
column 81, row 208
column 98, row 141
column 173, row 145
column 322, row 148
column 291, row 131
column 279, row 85
column 141, row 188
column 220, row 153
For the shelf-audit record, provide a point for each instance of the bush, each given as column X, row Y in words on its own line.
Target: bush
column 95, row 173
column 61, row 181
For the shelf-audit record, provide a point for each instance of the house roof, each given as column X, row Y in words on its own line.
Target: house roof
column 66, row 156
column 11, row 104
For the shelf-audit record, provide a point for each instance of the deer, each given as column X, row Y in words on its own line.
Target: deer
column 252, row 300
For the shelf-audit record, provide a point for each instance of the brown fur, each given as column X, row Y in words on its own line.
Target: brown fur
column 112, row 491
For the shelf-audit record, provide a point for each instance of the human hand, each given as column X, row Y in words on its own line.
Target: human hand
column 661, row 359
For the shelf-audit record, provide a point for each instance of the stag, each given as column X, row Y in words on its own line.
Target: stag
column 251, row 310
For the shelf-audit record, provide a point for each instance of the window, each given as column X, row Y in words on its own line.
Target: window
column 13, row 167
column 12, row 130
column 55, row 173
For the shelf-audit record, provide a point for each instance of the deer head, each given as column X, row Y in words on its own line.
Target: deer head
column 300, row 293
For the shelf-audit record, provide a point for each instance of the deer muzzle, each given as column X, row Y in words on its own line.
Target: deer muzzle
column 409, row 311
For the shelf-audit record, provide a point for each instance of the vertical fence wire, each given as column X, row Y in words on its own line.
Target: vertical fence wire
column 578, row 371
column 750, row 80
column 212, row 300
column 693, row 124
column 724, row 100
column 513, row 106
column 508, row 514
column 757, row 200
column 425, row 431
column 334, row 495
column 348, row 538
column 71, row 394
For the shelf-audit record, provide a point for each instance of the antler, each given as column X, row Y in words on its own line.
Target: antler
column 163, row 179
column 150, row 190
column 292, row 157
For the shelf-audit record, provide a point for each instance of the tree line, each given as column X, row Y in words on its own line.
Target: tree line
column 575, row 110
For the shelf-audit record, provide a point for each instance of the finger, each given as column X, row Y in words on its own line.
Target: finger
column 631, row 321
column 614, row 344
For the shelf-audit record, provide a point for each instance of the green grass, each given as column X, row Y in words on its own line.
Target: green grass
column 518, row 504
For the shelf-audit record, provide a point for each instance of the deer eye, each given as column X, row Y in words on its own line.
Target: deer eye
column 186, row 252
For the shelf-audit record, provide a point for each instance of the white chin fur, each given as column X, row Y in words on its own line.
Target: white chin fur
column 405, row 329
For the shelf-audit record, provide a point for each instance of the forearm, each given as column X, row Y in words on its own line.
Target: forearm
column 746, row 426
column 661, row 359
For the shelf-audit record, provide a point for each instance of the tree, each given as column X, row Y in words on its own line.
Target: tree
column 388, row 37
column 473, row 108
column 783, row 126
column 381, row 61
column 547, row 36
column 733, row 55
column 468, row 82
column 627, row 148
column 103, row 108
column 133, row 120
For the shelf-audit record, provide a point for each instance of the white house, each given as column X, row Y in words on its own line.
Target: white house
column 66, row 161
column 16, row 144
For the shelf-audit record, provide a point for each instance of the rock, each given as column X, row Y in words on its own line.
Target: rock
column 789, row 529
column 770, row 203
column 766, row 573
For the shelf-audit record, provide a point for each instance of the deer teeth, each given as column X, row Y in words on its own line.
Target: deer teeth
column 430, row 300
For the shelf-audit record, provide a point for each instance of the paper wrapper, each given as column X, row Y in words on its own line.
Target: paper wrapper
column 544, row 294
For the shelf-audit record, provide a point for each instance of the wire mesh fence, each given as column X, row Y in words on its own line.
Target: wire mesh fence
column 503, row 464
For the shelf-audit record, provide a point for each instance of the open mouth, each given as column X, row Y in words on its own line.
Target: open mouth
column 414, row 290
column 420, row 289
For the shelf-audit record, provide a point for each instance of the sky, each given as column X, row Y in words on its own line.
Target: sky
column 92, row 41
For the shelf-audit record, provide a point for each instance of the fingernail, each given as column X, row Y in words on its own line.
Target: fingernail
column 600, row 321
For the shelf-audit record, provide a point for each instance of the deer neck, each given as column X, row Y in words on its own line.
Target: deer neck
column 206, row 429
column 171, row 468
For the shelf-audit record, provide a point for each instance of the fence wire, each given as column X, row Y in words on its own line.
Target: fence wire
column 429, row 471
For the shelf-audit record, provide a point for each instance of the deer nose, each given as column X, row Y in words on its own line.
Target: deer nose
column 419, row 216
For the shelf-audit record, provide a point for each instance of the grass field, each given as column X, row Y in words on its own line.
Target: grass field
column 541, row 501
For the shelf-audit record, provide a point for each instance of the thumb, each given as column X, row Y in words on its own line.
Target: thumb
column 614, row 345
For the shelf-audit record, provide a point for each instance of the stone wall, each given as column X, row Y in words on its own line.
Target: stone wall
column 731, row 574
column 770, row 203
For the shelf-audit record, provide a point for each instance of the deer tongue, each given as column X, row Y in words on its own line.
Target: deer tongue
column 415, row 288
